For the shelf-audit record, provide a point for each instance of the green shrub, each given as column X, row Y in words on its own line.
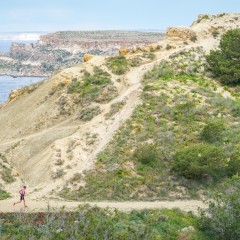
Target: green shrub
column 235, row 108
column 234, row 162
column 151, row 56
column 168, row 47
column 6, row 174
column 118, row 65
column 215, row 33
column 198, row 160
column 221, row 221
column 91, row 85
column 88, row 114
column 135, row 62
column 146, row 154
column 225, row 63
column 213, row 132
column 90, row 223
column 193, row 38
column 4, row 194
column 74, row 86
column 115, row 107
column 161, row 71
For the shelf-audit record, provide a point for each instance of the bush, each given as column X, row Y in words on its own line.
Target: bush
column 215, row 34
column 91, row 85
column 135, row 62
column 193, row 38
column 4, row 194
column 74, row 86
column 88, row 114
column 88, row 223
column 225, row 63
column 221, row 221
column 146, row 154
column 234, row 162
column 213, row 132
column 161, row 71
column 118, row 65
column 168, row 47
column 199, row 160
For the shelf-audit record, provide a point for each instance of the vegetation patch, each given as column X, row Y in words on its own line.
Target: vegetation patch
column 93, row 87
column 88, row 114
column 118, row 65
column 150, row 55
column 96, row 223
column 4, row 194
column 200, row 160
column 115, row 107
column 135, row 61
column 5, row 170
column 221, row 220
column 224, row 63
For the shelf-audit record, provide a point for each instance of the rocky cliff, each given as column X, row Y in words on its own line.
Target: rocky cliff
column 62, row 49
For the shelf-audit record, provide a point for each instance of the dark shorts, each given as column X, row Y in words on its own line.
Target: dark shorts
column 22, row 197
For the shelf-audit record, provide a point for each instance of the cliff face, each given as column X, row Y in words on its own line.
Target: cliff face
column 205, row 27
column 63, row 49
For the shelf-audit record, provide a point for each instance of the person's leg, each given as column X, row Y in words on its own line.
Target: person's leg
column 17, row 202
column 24, row 203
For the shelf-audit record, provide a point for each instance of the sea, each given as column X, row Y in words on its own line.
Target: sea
column 9, row 83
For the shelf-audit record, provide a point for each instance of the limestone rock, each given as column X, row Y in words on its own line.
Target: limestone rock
column 14, row 94
column 145, row 48
column 134, row 50
column 15, row 173
column 123, row 51
column 180, row 33
column 87, row 57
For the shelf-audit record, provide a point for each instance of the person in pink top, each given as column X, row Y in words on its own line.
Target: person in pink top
column 22, row 193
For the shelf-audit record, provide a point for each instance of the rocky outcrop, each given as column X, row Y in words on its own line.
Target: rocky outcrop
column 208, row 25
column 123, row 51
column 87, row 57
column 14, row 94
column 180, row 33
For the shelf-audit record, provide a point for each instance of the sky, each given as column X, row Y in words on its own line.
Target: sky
column 56, row 15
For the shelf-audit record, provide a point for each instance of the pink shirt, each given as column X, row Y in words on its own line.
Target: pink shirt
column 22, row 191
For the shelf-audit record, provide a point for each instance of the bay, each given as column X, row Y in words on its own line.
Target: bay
column 8, row 83
column 5, row 45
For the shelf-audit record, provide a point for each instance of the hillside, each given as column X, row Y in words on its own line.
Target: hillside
column 109, row 129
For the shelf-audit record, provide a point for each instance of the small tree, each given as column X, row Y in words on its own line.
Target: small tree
column 225, row 63
column 222, row 219
column 198, row 160
column 146, row 154
column 213, row 132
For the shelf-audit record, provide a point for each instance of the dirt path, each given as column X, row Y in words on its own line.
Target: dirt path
column 44, row 205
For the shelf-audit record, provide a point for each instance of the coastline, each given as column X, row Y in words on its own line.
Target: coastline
column 16, row 75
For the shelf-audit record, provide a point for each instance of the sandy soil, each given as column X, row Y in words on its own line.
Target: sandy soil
column 56, row 205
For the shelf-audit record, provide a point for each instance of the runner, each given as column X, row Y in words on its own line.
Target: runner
column 22, row 193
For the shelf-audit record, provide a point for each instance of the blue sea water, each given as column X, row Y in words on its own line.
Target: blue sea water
column 8, row 83
column 5, row 45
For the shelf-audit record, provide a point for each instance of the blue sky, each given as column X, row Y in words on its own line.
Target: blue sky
column 53, row 15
